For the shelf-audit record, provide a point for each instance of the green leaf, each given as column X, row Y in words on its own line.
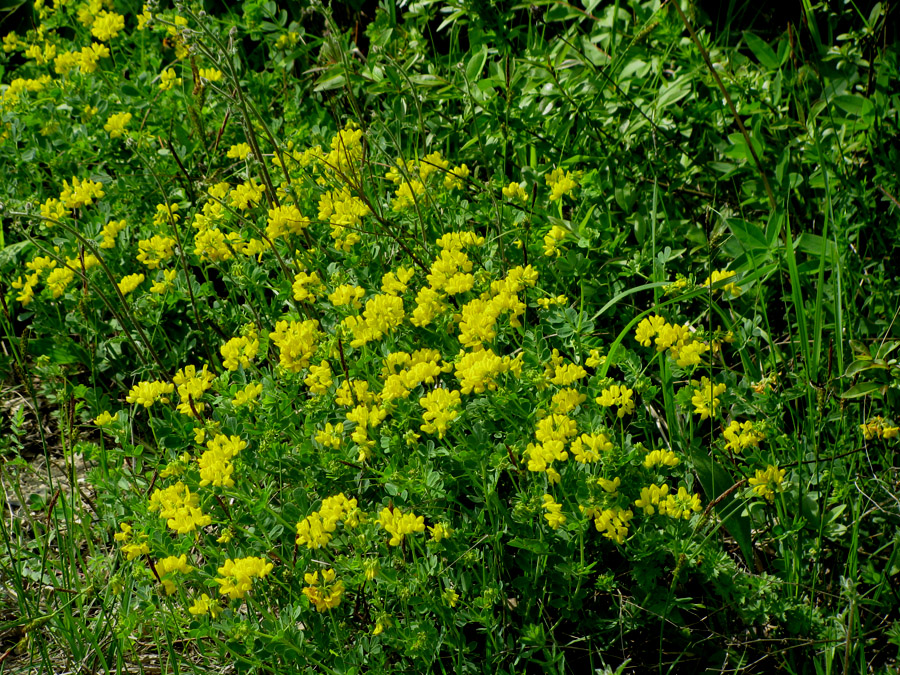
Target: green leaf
column 854, row 104
column 476, row 65
column 762, row 51
column 749, row 235
column 534, row 545
column 862, row 389
column 716, row 480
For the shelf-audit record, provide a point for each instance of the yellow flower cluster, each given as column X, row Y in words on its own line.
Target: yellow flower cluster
column 587, row 447
column 239, row 151
column 617, row 395
column 110, row 231
column 679, row 505
column 315, row 531
column 399, row 524
column 296, row 342
column 284, row 220
column 612, row 523
column 477, row 371
column 148, row 393
column 766, row 483
column 246, row 195
column 130, row 282
column 116, row 124
column 705, row 398
column 566, row 400
column 180, row 507
column 660, row 458
column 741, row 436
column 561, row 183
column 240, row 351
column 215, row 464
column 347, row 294
column 349, row 394
column 191, row 387
column 326, row 594
column 168, row 79
column 247, row 396
column 87, row 59
column 878, row 427
column 722, row 275
column 236, row 576
column 554, row 514
column 162, row 285
column 395, row 282
column 131, row 548
column 330, row 436
column 365, row 417
column 319, row 378
column 402, row 372
column 449, row 274
column 479, row 317
column 303, row 286
column 382, row 314
column 441, row 408
column 683, row 348
column 515, row 192
column 204, row 605
column 153, row 251
column 167, row 567
column 107, row 25
column 80, row 193
column 552, row 239
column 344, row 213
column 552, row 434
column 562, row 373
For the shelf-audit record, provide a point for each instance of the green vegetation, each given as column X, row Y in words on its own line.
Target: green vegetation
column 452, row 337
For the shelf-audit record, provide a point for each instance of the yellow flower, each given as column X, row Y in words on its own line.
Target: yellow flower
column 107, row 25
column 766, row 483
column 236, row 576
column 561, row 183
column 450, row 596
column 515, row 191
column 660, row 458
column 148, row 393
column 721, row 275
column 130, row 282
column 440, row 531
column 80, row 193
column 168, row 566
column 617, row 395
column 240, row 351
column 705, row 398
column 180, row 507
column 104, row 418
column 239, row 151
column 168, row 79
column 399, row 524
column 296, row 342
column 163, row 285
column 110, row 231
column 324, row 594
column 741, row 436
column 203, row 605
column 554, row 514
column 441, row 408
column 247, row 396
column 680, row 505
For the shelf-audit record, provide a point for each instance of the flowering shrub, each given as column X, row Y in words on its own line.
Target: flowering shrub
column 345, row 399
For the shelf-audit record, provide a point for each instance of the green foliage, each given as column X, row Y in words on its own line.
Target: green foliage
column 461, row 337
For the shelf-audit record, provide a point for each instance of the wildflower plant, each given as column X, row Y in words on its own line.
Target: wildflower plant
column 353, row 393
